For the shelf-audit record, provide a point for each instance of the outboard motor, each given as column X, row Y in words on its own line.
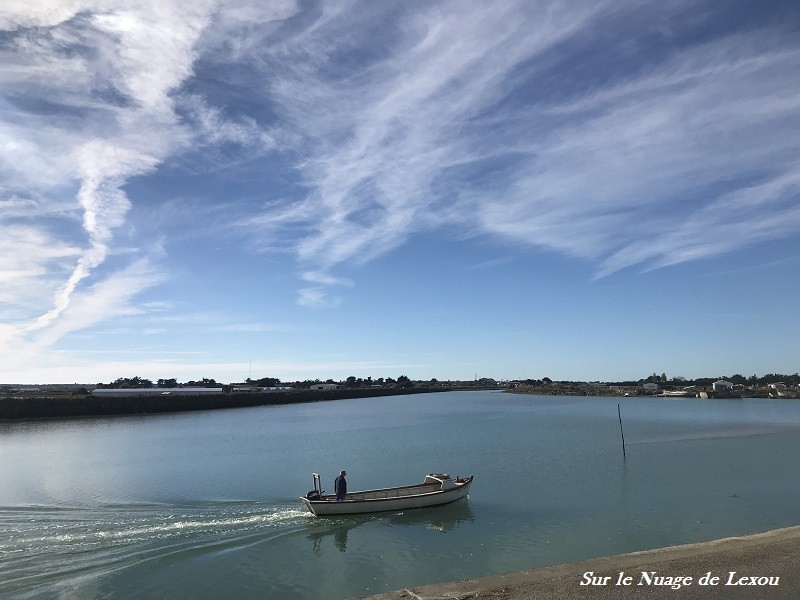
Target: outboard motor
column 317, row 492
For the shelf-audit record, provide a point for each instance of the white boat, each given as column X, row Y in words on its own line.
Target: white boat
column 437, row 489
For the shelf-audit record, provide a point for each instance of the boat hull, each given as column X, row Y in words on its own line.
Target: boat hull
column 329, row 506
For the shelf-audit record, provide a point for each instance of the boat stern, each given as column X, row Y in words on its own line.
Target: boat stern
column 309, row 505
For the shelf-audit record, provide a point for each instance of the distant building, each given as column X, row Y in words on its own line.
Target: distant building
column 245, row 389
column 722, row 386
column 255, row 389
column 131, row 392
column 650, row 387
column 325, row 386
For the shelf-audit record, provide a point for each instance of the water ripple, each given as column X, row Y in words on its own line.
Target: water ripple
column 48, row 544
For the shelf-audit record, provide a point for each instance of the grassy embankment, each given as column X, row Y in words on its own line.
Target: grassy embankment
column 60, row 406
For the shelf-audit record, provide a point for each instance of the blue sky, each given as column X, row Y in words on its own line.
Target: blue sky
column 319, row 189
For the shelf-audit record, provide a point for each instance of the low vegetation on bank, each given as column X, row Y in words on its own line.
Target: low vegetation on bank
column 772, row 385
column 67, row 405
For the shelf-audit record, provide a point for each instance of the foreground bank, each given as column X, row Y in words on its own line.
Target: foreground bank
column 763, row 565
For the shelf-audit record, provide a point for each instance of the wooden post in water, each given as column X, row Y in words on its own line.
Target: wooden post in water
column 619, row 414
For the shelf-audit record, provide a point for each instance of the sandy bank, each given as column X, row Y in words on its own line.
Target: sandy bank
column 757, row 561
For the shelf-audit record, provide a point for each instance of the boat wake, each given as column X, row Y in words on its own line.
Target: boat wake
column 44, row 545
column 743, row 432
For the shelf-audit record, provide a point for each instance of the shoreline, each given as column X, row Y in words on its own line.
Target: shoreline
column 760, row 556
column 14, row 409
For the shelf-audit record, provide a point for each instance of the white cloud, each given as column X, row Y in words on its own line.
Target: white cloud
column 214, row 128
column 141, row 53
column 320, row 296
column 748, row 215
column 38, row 13
column 423, row 135
column 29, row 279
column 325, row 279
column 388, row 134
column 317, row 297
column 112, row 297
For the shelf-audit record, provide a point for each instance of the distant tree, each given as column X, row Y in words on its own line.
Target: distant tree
column 350, row 381
column 403, row 381
column 167, row 383
column 206, row 382
column 663, row 377
column 546, row 381
column 130, row 382
column 305, row 384
column 268, row 382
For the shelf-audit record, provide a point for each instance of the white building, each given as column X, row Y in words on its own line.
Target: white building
column 722, row 385
column 129, row 392
column 650, row 387
column 325, row 386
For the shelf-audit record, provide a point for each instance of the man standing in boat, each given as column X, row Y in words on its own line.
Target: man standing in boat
column 340, row 486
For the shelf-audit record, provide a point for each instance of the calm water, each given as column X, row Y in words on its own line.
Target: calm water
column 204, row 505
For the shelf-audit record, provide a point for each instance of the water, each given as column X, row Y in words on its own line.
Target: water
column 204, row 505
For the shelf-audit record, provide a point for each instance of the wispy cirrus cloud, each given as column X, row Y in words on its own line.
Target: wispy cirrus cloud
column 553, row 125
column 88, row 73
column 24, row 277
column 111, row 297
column 92, row 98
column 318, row 297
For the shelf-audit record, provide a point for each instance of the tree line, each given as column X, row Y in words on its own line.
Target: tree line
column 737, row 378
column 350, row 382
column 403, row 381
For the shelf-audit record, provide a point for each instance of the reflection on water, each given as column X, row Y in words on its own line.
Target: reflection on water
column 441, row 519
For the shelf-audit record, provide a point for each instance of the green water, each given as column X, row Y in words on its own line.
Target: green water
column 204, row 505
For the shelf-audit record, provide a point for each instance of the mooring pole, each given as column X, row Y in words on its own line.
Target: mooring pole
column 619, row 414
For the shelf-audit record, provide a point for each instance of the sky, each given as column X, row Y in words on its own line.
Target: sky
column 577, row 190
